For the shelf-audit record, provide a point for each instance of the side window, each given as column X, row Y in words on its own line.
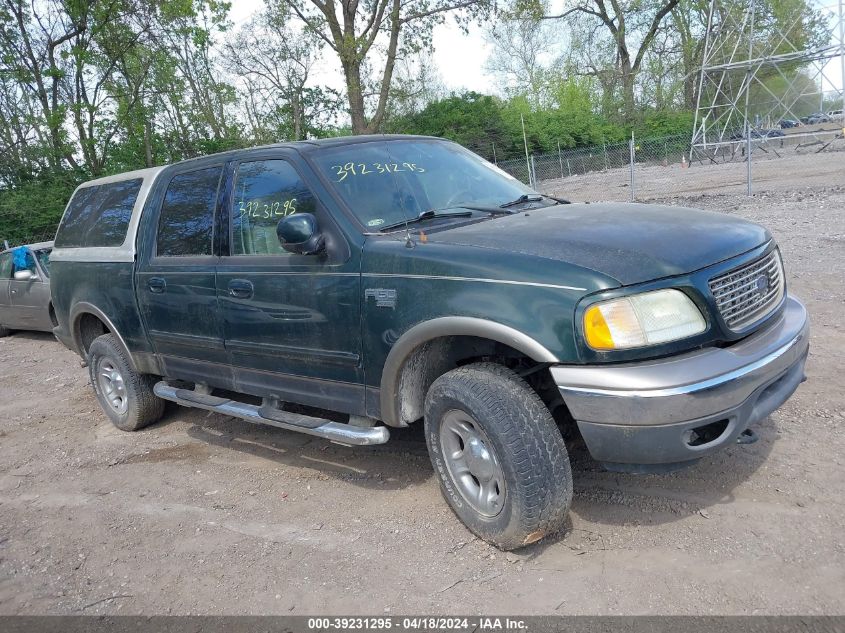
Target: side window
column 265, row 192
column 78, row 217
column 115, row 210
column 43, row 257
column 99, row 215
column 185, row 225
column 6, row 265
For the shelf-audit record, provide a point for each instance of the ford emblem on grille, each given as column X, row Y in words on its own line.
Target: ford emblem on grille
column 748, row 293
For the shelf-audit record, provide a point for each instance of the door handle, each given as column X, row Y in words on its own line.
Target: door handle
column 157, row 284
column 240, row 288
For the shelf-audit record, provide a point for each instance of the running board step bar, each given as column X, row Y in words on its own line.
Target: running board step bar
column 334, row 431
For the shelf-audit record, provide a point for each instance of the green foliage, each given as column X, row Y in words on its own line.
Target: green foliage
column 665, row 123
column 493, row 127
column 30, row 211
column 471, row 119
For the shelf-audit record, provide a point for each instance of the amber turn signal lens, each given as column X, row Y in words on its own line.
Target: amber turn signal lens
column 596, row 330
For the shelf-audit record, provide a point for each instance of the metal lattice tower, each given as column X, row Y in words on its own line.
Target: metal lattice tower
column 759, row 69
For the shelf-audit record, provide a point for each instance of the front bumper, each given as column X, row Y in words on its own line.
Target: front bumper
column 674, row 410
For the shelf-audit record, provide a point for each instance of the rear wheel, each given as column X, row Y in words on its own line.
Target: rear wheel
column 125, row 395
column 4, row 331
column 500, row 458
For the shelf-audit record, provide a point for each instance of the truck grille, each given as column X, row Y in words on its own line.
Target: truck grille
column 748, row 293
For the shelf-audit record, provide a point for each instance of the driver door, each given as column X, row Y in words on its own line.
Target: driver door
column 29, row 298
column 5, row 298
column 291, row 322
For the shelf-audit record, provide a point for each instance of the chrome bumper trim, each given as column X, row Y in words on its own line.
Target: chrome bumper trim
column 689, row 386
column 697, row 386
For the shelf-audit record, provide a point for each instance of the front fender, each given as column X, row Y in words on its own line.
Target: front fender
column 441, row 327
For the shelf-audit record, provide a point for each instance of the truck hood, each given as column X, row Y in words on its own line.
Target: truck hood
column 632, row 243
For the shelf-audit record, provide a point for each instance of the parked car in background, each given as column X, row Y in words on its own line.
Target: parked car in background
column 757, row 134
column 836, row 115
column 785, row 124
column 25, row 289
column 817, row 117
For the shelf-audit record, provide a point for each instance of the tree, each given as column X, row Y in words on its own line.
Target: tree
column 89, row 68
column 471, row 119
column 24, row 151
column 689, row 21
column 632, row 26
column 31, row 41
column 589, row 58
column 369, row 37
column 522, row 48
column 416, row 84
column 195, row 97
column 277, row 97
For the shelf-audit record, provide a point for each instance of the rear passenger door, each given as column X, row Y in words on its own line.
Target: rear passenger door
column 175, row 284
column 291, row 322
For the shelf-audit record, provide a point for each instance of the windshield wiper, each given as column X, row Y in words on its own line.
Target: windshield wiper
column 431, row 214
column 558, row 200
column 532, row 198
column 521, row 200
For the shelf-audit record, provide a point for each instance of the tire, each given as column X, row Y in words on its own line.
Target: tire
column 528, row 455
column 125, row 396
column 4, row 331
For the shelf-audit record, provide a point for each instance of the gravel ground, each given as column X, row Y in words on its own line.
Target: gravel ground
column 771, row 172
column 205, row 514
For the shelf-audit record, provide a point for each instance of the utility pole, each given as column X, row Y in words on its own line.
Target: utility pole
column 632, row 151
column 527, row 160
column 842, row 56
column 560, row 159
column 748, row 75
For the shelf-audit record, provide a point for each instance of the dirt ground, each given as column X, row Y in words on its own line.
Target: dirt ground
column 204, row 514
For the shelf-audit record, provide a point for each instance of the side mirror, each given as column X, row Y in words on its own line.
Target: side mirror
column 298, row 233
column 25, row 275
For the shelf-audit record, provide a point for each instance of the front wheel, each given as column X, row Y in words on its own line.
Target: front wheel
column 125, row 395
column 500, row 458
column 4, row 331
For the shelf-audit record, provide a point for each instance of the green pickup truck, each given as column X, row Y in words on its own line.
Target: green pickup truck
column 345, row 286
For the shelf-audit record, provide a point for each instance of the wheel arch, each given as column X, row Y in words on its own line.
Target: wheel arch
column 412, row 362
column 82, row 331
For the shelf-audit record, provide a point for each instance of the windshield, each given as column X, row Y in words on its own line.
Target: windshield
column 387, row 182
column 43, row 256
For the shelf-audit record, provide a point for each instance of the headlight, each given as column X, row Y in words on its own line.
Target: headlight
column 644, row 319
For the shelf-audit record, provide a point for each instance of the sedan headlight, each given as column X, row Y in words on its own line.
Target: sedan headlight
column 649, row 318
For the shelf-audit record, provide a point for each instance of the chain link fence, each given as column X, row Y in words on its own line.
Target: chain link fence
column 45, row 235
column 664, row 168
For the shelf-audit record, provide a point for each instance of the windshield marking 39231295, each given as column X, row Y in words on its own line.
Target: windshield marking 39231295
column 389, row 183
